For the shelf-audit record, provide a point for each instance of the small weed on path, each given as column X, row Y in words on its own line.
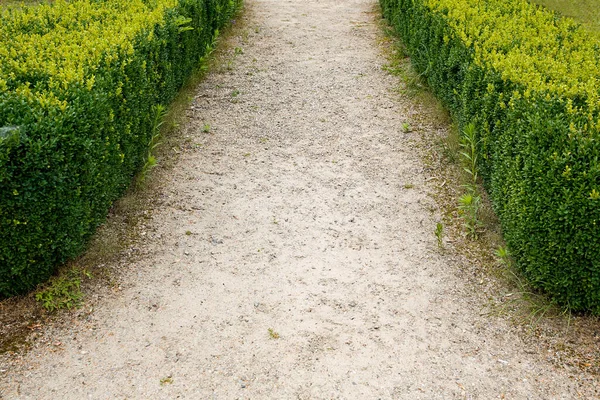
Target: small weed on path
column 469, row 205
column 439, row 234
column 160, row 112
column 468, row 142
column 63, row 291
column 166, row 381
column 273, row 334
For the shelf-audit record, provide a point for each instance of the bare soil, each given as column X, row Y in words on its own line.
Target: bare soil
column 291, row 250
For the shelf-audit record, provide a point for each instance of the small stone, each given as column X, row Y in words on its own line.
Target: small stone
column 216, row 241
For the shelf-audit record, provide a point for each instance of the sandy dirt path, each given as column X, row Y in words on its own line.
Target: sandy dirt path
column 293, row 254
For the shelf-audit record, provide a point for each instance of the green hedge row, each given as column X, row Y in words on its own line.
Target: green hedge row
column 530, row 83
column 78, row 83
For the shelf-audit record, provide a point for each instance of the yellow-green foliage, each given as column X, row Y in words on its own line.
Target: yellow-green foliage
column 527, row 45
column 50, row 47
column 529, row 82
column 79, row 83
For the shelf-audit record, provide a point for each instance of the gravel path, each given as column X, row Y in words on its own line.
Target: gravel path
column 293, row 254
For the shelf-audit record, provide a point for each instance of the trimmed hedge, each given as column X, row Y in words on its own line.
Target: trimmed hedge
column 78, row 83
column 530, row 83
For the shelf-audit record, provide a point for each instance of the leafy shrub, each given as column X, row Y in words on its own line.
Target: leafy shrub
column 79, row 81
column 529, row 82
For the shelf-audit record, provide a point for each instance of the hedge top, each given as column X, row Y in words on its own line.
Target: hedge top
column 528, row 45
column 45, row 49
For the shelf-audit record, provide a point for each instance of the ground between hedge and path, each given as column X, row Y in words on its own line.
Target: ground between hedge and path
column 290, row 253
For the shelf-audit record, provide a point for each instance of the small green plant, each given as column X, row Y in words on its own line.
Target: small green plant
column 468, row 141
column 273, row 334
column 166, row 381
column 206, row 128
column 406, row 127
column 469, row 206
column 245, row 36
column 63, row 292
column 439, row 234
column 408, row 186
column 503, row 256
column 238, row 50
column 188, row 233
column 159, row 112
column 235, row 93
